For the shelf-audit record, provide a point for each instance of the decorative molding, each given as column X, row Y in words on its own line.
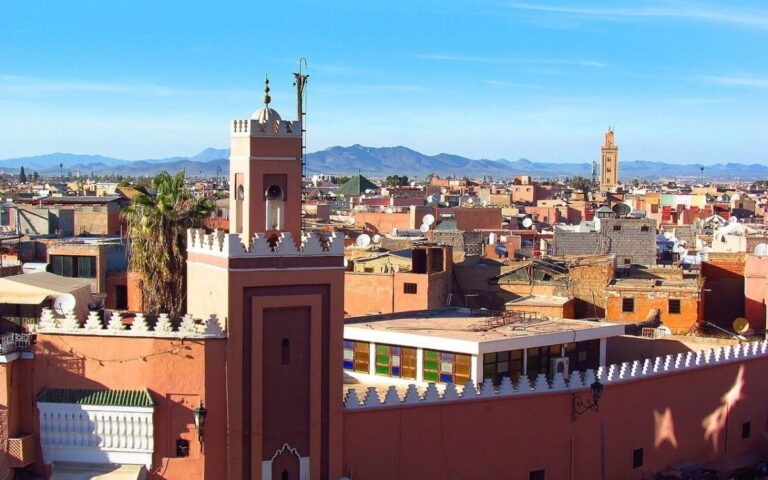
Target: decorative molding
column 253, row 128
column 211, row 327
column 266, row 465
column 230, row 245
column 96, row 434
column 608, row 375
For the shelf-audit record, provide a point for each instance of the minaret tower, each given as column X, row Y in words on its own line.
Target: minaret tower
column 265, row 174
column 280, row 292
column 609, row 163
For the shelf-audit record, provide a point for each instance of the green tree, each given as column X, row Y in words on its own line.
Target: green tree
column 35, row 175
column 342, row 180
column 581, row 184
column 158, row 219
column 397, row 180
column 22, row 175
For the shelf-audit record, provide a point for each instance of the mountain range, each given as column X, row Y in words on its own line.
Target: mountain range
column 374, row 162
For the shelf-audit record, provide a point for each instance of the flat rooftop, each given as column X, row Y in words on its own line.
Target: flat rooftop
column 463, row 331
column 540, row 301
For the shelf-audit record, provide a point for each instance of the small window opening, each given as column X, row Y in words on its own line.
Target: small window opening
column 627, row 305
column 284, row 475
column 182, row 448
column 746, row 430
column 537, row 475
column 674, row 305
column 645, row 228
column 617, row 228
column 285, row 352
column 410, row 288
column 637, row 458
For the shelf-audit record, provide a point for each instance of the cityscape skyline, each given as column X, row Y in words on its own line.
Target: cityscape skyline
column 500, row 80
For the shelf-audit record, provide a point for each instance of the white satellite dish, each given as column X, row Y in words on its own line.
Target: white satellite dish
column 64, row 303
column 363, row 240
column 732, row 220
column 527, row 222
column 351, row 221
column 761, row 249
column 428, row 219
column 394, row 231
column 668, row 235
column 376, row 238
column 362, row 197
column 424, row 228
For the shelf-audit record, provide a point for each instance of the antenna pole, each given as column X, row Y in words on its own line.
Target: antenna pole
column 300, row 81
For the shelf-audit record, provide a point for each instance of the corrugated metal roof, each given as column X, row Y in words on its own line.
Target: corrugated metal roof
column 116, row 398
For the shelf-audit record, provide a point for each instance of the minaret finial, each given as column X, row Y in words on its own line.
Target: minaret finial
column 267, row 98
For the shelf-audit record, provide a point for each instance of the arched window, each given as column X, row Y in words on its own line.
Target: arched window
column 285, row 352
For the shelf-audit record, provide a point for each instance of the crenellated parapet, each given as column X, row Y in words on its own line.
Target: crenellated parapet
column 609, row 375
column 230, row 245
column 163, row 326
column 254, row 128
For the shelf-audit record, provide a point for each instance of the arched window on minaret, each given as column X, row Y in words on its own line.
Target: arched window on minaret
column 285, row 352
column 275, row 199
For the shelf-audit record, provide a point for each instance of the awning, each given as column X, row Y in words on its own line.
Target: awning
column 92, row 471
column 24, row 298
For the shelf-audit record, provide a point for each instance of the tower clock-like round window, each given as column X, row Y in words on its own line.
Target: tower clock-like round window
column 274, row 193
column 240, row 192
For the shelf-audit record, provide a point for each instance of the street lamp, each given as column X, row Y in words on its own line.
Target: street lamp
column 580, row 406
column 200, row 413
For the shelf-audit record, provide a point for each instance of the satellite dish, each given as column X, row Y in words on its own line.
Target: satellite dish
column 761, row 249
column 621, row 209
column 664, row 330
column 363, row 240
column 668, row 235
column 362, row 197
column 428, row 219
column 376, row 238
column 732, row 220
column 434, row 198
column 64, row 303
column 424, row 228
column 740, row 325
column 394, row 231
column 351, row 221
column 527, row 222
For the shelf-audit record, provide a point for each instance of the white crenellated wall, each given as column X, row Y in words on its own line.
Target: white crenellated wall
column 230, row 245
column 611, row 374
column 163, row 328
column 253, row 128
column 96, row 434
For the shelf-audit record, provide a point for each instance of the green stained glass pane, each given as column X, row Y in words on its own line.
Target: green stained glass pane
column 490, row 357
column 382, row 359
column 430, row 376
column 430, row 355
column 382, row 369
column 382, row 349
column 430, row 365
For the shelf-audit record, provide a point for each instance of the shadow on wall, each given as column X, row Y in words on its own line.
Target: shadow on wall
column 627, row 348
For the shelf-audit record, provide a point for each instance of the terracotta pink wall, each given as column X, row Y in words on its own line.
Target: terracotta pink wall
column 755, row 284
column 692, row 416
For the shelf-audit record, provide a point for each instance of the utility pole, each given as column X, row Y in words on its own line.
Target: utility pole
column 300, row 81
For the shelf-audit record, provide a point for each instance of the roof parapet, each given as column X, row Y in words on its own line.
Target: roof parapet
column 163, row 328
column 612, row 374
column 230, row 245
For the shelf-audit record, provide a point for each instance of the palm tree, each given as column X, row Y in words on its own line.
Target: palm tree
column 158, row 219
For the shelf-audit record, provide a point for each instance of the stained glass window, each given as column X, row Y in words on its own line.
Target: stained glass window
column 395, row 361
column 446, row 367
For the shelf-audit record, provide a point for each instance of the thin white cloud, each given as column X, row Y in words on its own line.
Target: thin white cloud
column 501, row 60
column 11, row 84
column 736, row 80
column 680, row 11
column 504, row 83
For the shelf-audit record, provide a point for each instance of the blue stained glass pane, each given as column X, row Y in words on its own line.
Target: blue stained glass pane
column 349, row 344
column 349, row 365
column 447, row 378
column 446, row 357
column 395, row 371
column 395, row 350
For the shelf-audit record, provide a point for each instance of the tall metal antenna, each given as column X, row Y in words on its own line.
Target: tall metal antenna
column 300, row 81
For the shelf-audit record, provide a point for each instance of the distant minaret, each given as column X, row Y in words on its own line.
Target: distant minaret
column 609, row 163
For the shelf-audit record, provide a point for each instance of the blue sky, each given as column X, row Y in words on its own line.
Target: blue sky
column 682, row 82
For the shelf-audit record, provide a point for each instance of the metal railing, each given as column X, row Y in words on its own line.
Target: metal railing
column 15, row 342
